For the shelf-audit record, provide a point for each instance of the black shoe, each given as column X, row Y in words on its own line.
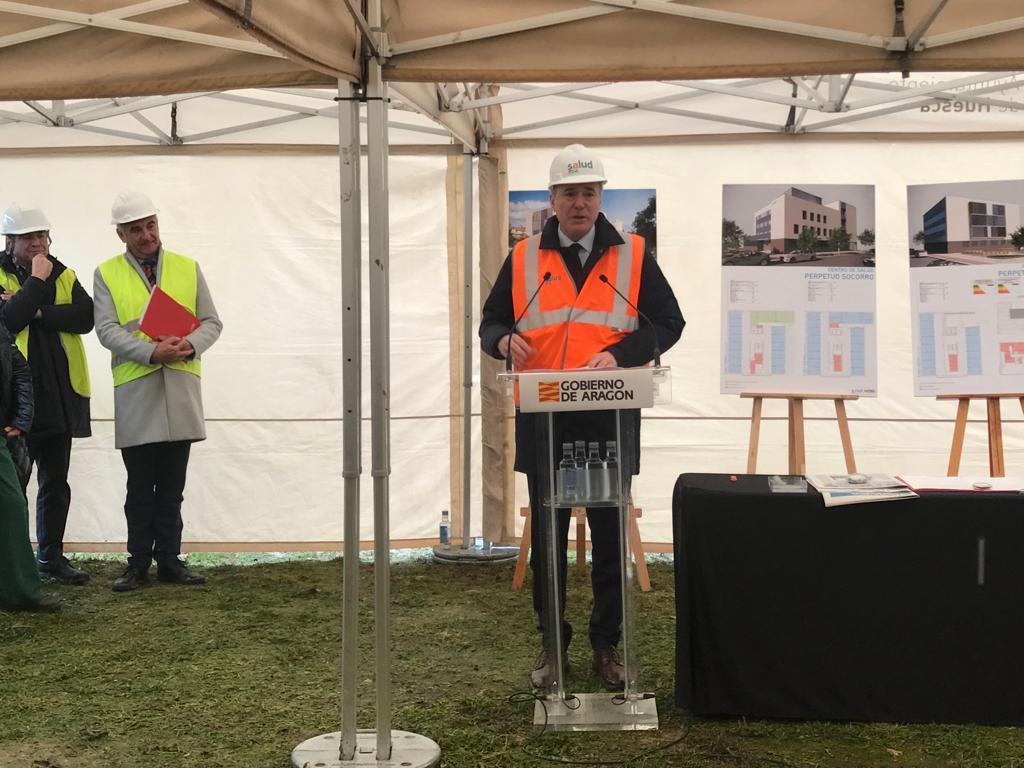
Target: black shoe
column 61, row 570
column 42, row 605
column 131, row 578
column 175, row 572
column 609, row 668
column 543, row 675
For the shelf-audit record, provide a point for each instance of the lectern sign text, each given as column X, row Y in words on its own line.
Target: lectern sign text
column 586, row 390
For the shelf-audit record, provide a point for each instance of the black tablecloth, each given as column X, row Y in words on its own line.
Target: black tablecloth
column 883, row 611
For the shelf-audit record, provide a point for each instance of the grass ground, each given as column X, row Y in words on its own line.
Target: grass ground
column 237, row 673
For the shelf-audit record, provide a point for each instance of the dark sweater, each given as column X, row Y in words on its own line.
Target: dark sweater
column 58, row 408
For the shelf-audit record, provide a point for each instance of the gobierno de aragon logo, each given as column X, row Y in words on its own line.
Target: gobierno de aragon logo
column 547, row 391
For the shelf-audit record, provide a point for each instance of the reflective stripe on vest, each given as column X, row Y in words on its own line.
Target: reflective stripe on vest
column 567, row 328
column 619, row 315
column 130, row 292
column 74, row 349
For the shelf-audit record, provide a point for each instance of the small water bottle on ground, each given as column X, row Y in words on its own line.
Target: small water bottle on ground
column 445, row 530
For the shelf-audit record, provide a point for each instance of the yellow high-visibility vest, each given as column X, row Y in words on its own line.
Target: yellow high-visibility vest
column 130, row 292
column 74, row 350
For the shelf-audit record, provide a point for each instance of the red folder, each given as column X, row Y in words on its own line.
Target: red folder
column 163, row 316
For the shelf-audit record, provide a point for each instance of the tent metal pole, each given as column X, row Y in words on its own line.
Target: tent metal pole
column 351, row 341
column 467, row 343
column 380, row 382
column 382, row 748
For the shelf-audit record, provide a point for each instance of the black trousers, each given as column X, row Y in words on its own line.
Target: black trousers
column 606, row 575
column 52, row 457
column 152, row 507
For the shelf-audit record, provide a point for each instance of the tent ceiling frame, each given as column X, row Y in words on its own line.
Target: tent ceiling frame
column 927, row 90
column 106, row 21
column 972, row 33
column 368, row 37
column 656, row 6
column 750, row 93
column 854, row 111
column 950, row 95
column 914, row 39
column 51, row 30
column 758, row 22
column 913, row 104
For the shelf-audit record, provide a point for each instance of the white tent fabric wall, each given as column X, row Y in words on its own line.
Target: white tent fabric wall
column 704, row 431
column 270, row 471
column 265, row 229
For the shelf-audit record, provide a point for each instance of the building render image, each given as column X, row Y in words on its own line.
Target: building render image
column 778, row 225
column 961, row 225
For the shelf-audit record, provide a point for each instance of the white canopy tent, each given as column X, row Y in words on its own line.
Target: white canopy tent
column 225, row 112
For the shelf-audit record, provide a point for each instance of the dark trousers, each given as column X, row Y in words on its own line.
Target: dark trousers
column 52, row 457
column 605, row 578
column 152, row 508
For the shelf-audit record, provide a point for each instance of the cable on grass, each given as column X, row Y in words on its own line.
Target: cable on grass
column 526, row 696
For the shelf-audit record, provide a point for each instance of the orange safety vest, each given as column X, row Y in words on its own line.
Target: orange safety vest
column 567, row 328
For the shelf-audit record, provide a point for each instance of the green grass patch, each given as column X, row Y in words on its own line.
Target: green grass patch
column 240, row 671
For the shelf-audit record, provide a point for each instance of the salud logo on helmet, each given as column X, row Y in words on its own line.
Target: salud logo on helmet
column 576, row 165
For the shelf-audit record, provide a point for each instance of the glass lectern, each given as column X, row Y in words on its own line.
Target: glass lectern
column 575, row 473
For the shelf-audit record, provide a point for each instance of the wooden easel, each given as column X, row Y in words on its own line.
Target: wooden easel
column 797, row 457
column 996, row 466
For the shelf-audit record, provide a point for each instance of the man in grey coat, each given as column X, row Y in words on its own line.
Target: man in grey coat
column 158, row 408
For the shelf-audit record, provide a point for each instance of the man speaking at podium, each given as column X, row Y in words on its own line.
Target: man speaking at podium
column 562, row 300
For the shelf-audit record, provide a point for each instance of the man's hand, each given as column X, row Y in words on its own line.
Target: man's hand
column 521, row 350
column 602, row 360
column 41, row 266
column 171, row 349
column 12, row 432
column 5, row 295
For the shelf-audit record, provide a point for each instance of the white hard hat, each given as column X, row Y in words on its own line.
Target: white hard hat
column 131, row 206
column 20, row 221
column 576, row 165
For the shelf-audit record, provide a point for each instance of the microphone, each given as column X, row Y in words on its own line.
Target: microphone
column 508, row 355
column 657, row 349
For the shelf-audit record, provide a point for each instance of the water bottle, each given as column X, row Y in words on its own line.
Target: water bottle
column 595, row 473
column 611, row 470
column 568, row 475
column 580, row 456
column 445, row 529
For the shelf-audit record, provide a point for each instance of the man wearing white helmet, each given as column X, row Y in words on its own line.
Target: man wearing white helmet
column 572, row 318
column 158, row 407
column 46, row 309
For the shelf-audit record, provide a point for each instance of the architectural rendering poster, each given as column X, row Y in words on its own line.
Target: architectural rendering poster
column 967, row 287
column 798, row 289
column 630, row 210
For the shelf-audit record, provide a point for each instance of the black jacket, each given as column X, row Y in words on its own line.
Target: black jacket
column 15, row 386
column 58, row 407
column 656, row 301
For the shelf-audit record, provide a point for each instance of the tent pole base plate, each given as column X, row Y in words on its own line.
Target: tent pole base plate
column 446, row 553
column 409, row 750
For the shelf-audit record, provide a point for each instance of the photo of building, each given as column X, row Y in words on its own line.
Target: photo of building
column 778, row 225
column 765, row 224
column 965, row 223
column 956, row 224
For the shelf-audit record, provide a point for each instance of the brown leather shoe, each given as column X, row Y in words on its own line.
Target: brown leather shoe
column 543, row 675
column 609, row 669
